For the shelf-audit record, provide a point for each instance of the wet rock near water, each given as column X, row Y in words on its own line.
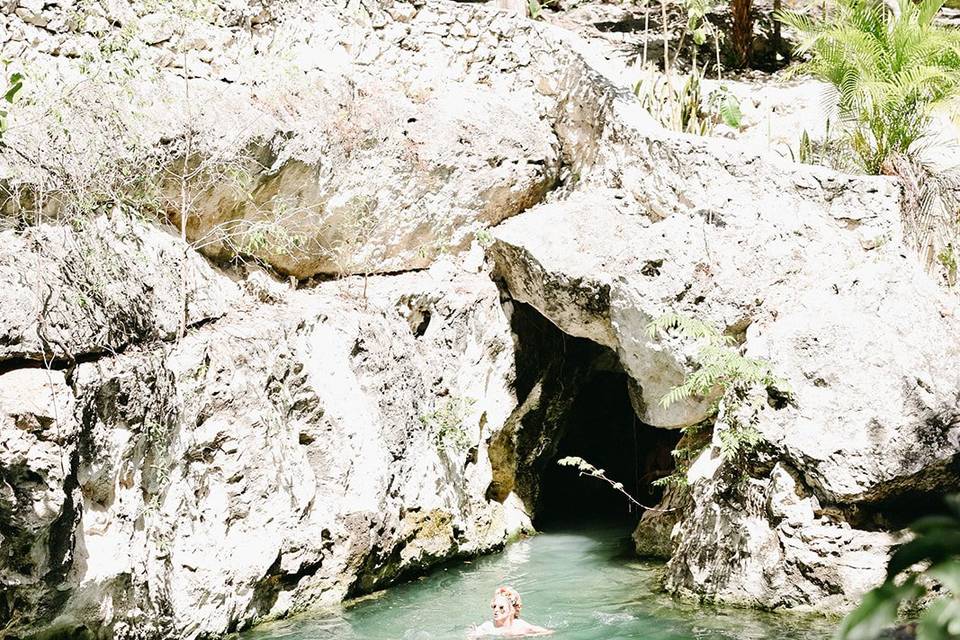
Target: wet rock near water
column 267, row 462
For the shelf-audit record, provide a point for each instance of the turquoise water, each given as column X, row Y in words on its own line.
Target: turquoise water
column 582, row 583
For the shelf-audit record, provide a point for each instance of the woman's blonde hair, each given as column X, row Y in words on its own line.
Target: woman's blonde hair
column 510, row 594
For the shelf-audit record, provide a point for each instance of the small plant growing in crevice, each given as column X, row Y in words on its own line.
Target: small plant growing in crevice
column 728, row 375
column 948, row 260
column 722, row 369
column 484, row 238
column 694, row 440
column 447, row 422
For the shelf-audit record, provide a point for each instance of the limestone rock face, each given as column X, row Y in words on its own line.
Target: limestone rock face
column 772, row 541
column 290, row 454
column 393, row 182
column 321, row 140
column 299, row 446
column 806, row 269
column 39, row 498
column 67, row 292
column 291, row 457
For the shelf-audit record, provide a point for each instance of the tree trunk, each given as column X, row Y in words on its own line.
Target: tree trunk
column 741, row 35
column 777, row 38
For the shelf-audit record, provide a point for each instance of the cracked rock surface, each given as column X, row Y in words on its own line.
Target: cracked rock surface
column 287, row 455
column 299, row 446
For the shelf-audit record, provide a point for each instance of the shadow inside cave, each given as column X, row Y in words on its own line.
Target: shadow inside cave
column 575, row 401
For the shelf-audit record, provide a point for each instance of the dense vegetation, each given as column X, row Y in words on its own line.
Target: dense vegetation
column 891, row 70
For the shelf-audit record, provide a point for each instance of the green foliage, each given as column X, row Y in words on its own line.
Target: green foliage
column 936, row 549
column 676, row 480
column 14, row 84
column 446, row 422
column 724, row 368
column 805, row 148
column 536, row 7
column 698, row 24
column 586, row 468
column 721, row 371
column 728, row 107
column 678, row 102
column 485, row 238
column 687, row 327
column 890, row 72
column 738, row 441
column 948, row 260
column 721, row 368
column 700, row 27
column 694, row 440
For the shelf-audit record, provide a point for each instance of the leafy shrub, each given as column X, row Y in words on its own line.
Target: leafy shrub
column 446, row 422
column 890, row 70
column 721, row 367
column 936, row 547
column 723, row 372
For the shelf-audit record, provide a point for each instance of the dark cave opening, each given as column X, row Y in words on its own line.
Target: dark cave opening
column 601, row 428
column 576, row 402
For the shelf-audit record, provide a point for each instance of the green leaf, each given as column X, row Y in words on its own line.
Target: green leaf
column 699, row 36
column 941, row 620
column 15, row 84
column 935, row 546
column 730, row 112
column 953, row 502
column 877, row 611
column 935, row 523
column 535, row 9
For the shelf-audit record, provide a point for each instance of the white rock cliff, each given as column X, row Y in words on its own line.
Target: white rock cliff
column 301, row 445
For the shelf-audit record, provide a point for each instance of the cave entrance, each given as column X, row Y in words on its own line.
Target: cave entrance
column 575, row 401
column 601, row 428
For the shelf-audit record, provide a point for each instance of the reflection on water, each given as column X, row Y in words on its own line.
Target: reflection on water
column 582, row 583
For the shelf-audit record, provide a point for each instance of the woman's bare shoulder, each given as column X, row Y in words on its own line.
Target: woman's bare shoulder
column 527, row 629
column 484, row 629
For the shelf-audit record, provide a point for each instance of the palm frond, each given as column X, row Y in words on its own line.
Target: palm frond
column 890, row 71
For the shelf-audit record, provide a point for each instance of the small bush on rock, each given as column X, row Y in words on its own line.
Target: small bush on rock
column 724, row 373
column 446, row 422
column 890, row 69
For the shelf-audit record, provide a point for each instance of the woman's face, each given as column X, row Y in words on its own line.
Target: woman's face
column 502, row 609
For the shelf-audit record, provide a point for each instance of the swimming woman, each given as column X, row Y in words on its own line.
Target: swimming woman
column 506, row 618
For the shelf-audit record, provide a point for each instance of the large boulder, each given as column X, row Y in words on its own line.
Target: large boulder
column 390, row 184
column 805, row 268
column 320, row 447
column 321, row 140
column 67, row 292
